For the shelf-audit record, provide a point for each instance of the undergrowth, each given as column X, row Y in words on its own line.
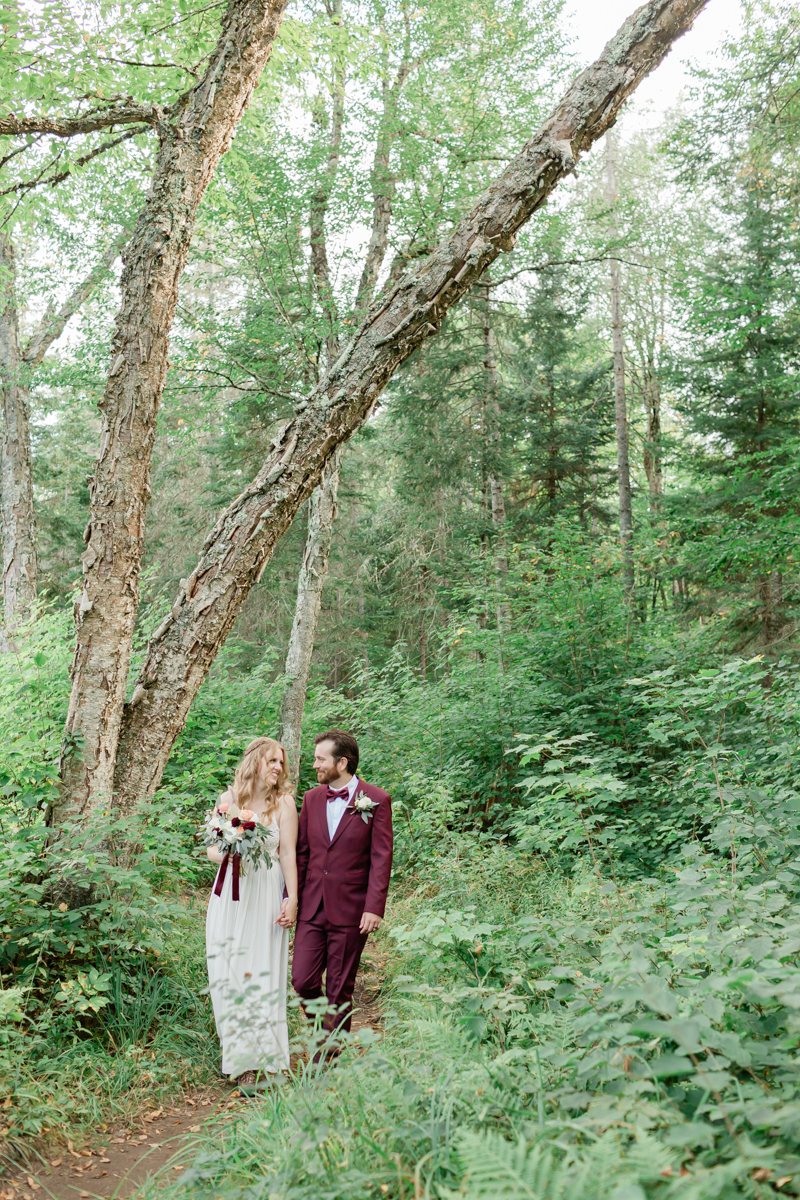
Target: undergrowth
column 67, row 1069
column 595, row 934
column 559, row 1035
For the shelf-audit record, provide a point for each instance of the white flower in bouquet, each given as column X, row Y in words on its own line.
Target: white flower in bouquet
column 242, row 836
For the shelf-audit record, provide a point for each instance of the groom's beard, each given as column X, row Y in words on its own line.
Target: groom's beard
column 326, row 774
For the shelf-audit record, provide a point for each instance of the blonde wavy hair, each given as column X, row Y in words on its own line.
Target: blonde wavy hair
column 248, row 771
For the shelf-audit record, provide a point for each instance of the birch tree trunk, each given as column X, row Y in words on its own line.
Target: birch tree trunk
column 384, row 186
column 322, row 506
column 241, row 543
column 191, row 145
column 321, row 516
column 651, row 392
column 17, row 512
column 620, row 406
column 18, row 524
column 321, row 199
column 496, row 497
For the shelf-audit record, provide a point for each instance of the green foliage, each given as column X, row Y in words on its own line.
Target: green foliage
column 555, row 1037
column 596, row 928
column 33, row 705
column 80, row 1070
column 102, row 973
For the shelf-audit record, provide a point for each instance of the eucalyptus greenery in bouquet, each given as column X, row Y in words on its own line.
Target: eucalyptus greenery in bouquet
column 242, row 838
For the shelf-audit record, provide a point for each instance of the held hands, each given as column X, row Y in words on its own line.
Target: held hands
column 288, row 913
column 369, row 923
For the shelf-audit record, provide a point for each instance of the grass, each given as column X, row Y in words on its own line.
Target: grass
column 154, row 1040
column 483, row 1083
column 481, row 1086
column 388, row 1117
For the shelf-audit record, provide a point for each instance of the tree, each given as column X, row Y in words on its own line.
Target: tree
column 620, row 406
column 192, row 142
column 321, row 516
column 737, row 377
column 243, row 539
column 18, row 525
column 404, row 54
column 494, row 483
column 18, row 521
column 558, row 399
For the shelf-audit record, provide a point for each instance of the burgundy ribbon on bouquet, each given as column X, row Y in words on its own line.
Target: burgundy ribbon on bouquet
column 223, row 871
column 237, row 863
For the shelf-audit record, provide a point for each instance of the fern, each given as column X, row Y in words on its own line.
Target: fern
column 513, row 1170
column 496, row 1168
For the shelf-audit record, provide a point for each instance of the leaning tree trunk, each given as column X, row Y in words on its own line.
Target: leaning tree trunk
column 321, row 515
column 192, row 144
column 241, row 543
column 18, row 524
column 620, row 407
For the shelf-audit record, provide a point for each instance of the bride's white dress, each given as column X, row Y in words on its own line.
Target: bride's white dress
column 248, row 961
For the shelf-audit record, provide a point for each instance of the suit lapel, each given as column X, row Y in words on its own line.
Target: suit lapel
column 321, row 816
column 348, row 814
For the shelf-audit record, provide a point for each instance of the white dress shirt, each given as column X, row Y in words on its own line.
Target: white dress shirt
column 336, row 808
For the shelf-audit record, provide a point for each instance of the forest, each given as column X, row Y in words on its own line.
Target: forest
column 368, row 365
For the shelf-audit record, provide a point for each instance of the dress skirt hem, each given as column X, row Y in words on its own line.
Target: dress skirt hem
column 248, row 963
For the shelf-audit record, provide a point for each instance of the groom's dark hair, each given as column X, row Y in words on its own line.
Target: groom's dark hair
column 344, row 746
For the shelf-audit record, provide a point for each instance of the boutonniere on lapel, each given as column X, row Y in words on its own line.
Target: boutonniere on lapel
column 364, row 807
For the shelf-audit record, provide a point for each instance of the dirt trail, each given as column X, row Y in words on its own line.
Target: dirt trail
column 116, row 1162
column 113, row 1165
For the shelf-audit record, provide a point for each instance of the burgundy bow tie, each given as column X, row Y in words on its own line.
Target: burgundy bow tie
column 344, row 794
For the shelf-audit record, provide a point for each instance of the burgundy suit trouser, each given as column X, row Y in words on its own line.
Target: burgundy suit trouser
column 335, row 949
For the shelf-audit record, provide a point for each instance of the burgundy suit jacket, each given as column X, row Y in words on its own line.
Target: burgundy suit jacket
column 350, row 874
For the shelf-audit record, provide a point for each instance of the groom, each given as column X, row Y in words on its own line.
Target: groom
column 344, row 860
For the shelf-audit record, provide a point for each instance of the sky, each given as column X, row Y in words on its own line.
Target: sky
column 593, row 22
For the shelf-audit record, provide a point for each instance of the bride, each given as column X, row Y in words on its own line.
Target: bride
column 247, row 940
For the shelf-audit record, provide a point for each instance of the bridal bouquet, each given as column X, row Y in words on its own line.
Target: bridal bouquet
column 242, row 839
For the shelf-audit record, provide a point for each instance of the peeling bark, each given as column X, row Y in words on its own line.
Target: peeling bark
column 192, row 141
column 321, row 516
column 67, row 127
column 620, row 406
column 239, row 547
column 18, row 525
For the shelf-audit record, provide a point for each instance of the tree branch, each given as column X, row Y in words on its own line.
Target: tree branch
column 162, row 66
column 461, row 155
column 52, row 180
column 129, row 113
column 53, row 323
column 570, row 262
